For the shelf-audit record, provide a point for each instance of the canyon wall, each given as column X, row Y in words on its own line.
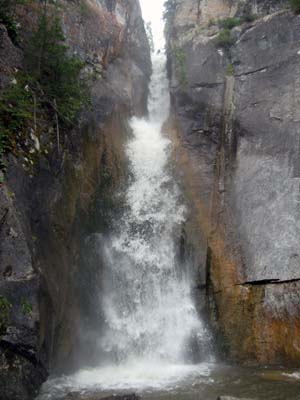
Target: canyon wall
column 46, row 201
column 234, row 78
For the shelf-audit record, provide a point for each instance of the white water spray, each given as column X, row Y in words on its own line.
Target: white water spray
column 150, row 317
column 147, row 303
column 147, row 300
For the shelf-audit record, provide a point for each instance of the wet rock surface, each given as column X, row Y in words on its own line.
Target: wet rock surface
column 236, row 130
column 44, row 213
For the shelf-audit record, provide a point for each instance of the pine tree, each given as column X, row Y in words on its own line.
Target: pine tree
column 57, row 74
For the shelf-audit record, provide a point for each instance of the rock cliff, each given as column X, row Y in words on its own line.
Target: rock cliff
column 234, row 78
column 45, row 206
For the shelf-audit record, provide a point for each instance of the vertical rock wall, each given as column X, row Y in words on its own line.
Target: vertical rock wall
column 44, row 209
column 236, row 131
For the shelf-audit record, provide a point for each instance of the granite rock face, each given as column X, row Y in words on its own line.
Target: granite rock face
column 44, row 211
column 236, row 130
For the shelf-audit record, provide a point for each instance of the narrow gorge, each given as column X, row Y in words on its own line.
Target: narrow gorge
column 149, row 199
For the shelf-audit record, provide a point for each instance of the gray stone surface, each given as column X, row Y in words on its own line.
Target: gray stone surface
column 238, row 122
column 267, row 179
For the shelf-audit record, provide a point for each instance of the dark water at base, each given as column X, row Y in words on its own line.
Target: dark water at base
column 203, row 382
column 258, row 384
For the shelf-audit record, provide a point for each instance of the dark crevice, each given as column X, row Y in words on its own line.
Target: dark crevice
column 198, row 10
column 3, row 218
column 252, row 72
column 266, row 67
column 262, row 282
column 207, row 85
column 268, row 282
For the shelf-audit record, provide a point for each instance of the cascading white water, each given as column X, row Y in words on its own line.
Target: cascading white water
column 150, row 317
column 147, row 302
column 149, row 312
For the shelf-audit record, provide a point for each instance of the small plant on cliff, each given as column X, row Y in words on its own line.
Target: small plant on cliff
column 16, row 112
column 26, row 307
column 224, row 39
column 229, row 23
column 212, row 22
column 230, row 70
column 5, row 308
column 295, row 6
column 248, row 17
column 8, row 16
column 180, row 65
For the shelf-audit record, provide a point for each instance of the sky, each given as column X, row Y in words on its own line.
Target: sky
column 152, row 11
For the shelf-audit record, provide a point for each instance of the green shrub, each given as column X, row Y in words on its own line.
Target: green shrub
column 26, row 307
column 212, row 22
column 180, row 65
column 5, row 308
column 232, row 22
column 16, row 111
column 229, row 23
column 224, row 39
column 230, row 70
column 295, row 6
column 7, row 17
column 248, row 17
column 11, row 26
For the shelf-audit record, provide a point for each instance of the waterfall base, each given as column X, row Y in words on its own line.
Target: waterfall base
column 204, row 381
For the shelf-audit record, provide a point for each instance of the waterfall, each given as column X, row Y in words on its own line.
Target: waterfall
column 150, row 320
column 149, row 312
column 151, row 326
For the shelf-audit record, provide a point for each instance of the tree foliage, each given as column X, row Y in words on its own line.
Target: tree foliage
column 295, row 6
column 56, row 73
column 7, row 17
column 224, row 39
column 51, row 87
column 16, row 112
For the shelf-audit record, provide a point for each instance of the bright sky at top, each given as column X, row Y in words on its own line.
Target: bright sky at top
column 153, row 12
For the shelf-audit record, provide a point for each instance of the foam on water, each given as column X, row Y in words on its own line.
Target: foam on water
column 140, row 376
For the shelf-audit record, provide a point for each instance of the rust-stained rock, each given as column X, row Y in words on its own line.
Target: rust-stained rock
column 235, row 127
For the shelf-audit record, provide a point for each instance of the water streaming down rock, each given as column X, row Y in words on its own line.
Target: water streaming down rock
column 149, row 312
column 151, row 325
